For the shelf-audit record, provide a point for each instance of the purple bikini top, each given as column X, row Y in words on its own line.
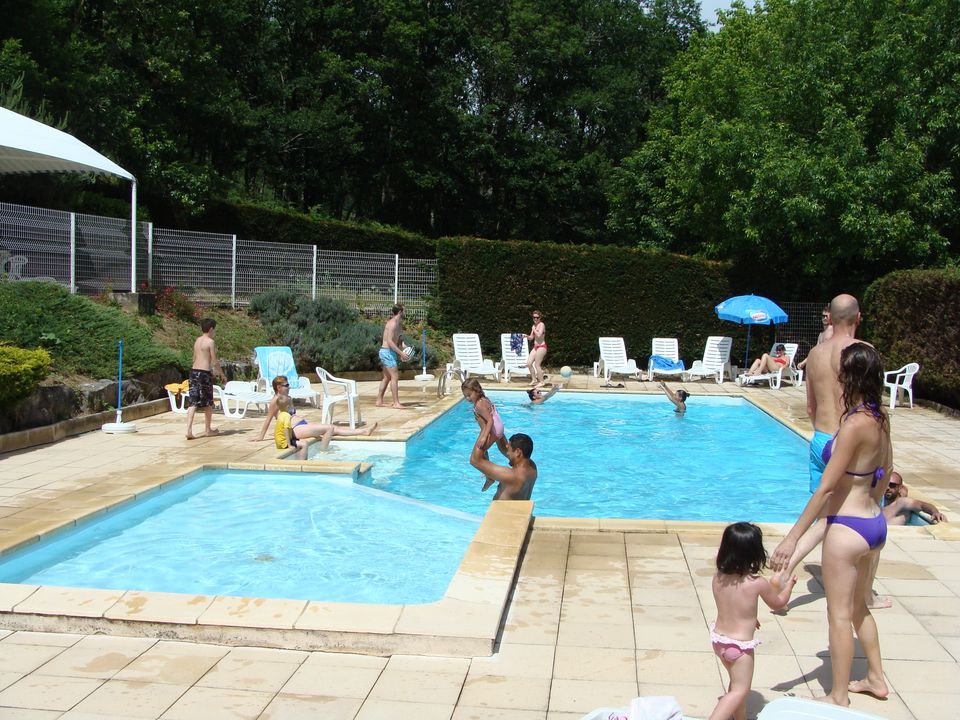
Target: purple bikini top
column 827, row 451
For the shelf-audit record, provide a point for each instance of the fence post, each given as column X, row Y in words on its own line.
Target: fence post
column 313, row 295
column 396, row 279
column 233, row 274
column 150, row 255
column 73, row 253
column 133, row 237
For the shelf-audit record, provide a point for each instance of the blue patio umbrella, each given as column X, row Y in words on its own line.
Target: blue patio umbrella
column 750, row 310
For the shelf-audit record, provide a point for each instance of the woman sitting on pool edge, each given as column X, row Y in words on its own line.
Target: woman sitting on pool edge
column 678, row 398
column 286, row 434
column 538, row 397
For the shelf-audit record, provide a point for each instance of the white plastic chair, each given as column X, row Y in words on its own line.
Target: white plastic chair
column 900, row 379
column 339, row 390
column 664, row 347
column 278, row 360
column 466, row 350
column 179, row 402
column 613, row 359
column 715, row 362
column 513, row 363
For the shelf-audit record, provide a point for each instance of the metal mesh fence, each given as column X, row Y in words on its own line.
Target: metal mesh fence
column 200, row 264
column 34, row 243
column 265, row 265
column 211, row 268
column 803, row 327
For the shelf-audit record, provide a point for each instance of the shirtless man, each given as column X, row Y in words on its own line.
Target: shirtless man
column 205, row 363
column 514, row 482
column 898, row 507
column 390, row 352
column 825, row 407
column 824, row 335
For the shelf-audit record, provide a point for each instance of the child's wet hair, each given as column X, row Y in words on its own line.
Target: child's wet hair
column 683, row 395
column 474, row 385
column 741, row 550
column 532, row 394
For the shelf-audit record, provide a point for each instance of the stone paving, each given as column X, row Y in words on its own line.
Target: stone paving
column 597, row 616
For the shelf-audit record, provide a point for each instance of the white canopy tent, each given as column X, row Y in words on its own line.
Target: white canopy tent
column 28, row 146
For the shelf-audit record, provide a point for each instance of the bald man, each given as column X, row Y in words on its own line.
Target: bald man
column 824, row 406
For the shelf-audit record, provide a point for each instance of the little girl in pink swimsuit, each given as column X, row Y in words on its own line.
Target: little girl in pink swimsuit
column 485, row 412
column 737, row 589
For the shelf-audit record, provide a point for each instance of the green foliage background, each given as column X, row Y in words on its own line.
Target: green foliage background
column 584, row 292
column 20, row 373
column 914, row 316
column 80, row 335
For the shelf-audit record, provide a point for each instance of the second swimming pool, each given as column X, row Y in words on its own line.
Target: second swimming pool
column 615, row 456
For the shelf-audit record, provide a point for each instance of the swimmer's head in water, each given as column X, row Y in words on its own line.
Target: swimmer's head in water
column 683, row 395
column 533, row 394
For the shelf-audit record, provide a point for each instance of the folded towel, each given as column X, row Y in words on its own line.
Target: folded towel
column 516, row 342
column 661, row 363
column 655, row 707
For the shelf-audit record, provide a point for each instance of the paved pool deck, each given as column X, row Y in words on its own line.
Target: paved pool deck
column 599, row 613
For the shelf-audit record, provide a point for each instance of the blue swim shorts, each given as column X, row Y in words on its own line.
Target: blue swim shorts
column 817, row 465
column 388, row 357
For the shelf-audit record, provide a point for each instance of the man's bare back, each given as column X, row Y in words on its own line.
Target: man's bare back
column 824, row 395
column 391, row 333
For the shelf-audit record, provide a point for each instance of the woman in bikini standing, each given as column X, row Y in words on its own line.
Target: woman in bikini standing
column 538, row 336
column 858, row 458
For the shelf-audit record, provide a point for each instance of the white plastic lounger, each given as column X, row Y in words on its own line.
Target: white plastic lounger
column 513, row 363
column 238, row 395
column 668, row 348
column 278, row 360
column 787, row 373
column 466, row 350
column 788, row 708
column 715, row 362
column 613, row 359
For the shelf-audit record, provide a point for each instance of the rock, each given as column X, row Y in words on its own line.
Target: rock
column 49, row 404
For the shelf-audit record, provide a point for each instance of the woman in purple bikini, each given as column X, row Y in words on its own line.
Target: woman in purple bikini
column 858, row 458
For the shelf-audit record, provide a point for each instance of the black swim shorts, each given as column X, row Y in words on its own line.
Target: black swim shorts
column 201, row 388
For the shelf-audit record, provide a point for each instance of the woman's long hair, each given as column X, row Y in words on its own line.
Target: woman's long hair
column 861, row 378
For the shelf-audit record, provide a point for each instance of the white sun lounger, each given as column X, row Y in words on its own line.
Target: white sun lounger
column 466, row 350
column 788, row 708
column 513, row 363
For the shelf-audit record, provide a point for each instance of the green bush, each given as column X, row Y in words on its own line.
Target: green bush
column 20, row 373
column 252, row 222
column 914, row 316
column 322, row 332
column 80, row 335
column 584, row 292
column 174, row 303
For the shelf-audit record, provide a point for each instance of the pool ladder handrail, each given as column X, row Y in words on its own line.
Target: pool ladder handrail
column 453, row 370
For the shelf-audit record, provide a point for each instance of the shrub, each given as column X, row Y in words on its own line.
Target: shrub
column 80, row 335
column 585, row 292
column 252, row 222
column 174, row 303
column 20, row 372
column 322, row 332
column 914, row 316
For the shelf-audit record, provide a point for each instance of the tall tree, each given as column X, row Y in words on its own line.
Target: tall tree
column 816, row 139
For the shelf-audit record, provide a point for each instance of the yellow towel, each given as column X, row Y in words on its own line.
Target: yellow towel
column 177, row 388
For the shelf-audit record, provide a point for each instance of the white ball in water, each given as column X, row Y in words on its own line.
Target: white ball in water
column 566, row 372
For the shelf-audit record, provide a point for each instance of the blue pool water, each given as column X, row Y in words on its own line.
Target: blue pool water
column 617, row 456
column 270, row 535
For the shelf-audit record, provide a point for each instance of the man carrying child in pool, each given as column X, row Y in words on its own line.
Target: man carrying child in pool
column 514, row 482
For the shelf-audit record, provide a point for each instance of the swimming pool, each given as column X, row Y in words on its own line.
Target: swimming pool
column 259, row 534
column 616, row 456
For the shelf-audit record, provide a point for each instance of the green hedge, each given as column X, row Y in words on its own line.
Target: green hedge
column 80, row 334
column 20, row 373
column 914, row 316
column 584, row 292
column 251, row 222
